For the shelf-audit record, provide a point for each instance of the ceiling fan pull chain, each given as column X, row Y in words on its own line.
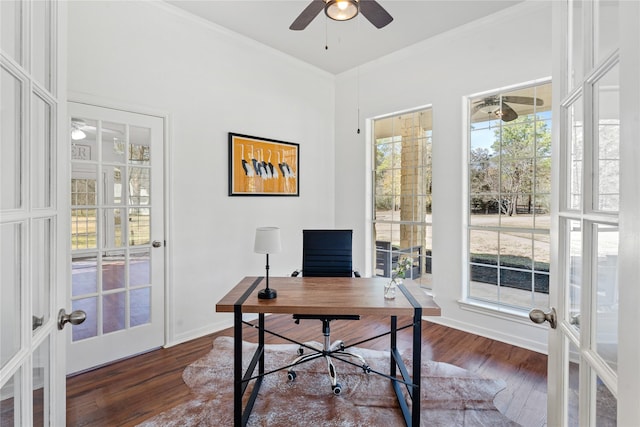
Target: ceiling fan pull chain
column 326, row 32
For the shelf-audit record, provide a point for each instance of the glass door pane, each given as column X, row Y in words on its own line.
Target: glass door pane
column 41, row 278
column 111, row 232
column 606, row 277
column 10, row 401
column 41, row 153
column 575, row 141
column 10, row 141
column 41, row 383
column 608, row 28
column 11, row 285
column 41, row 42
column 607, row 141
column 11, row 28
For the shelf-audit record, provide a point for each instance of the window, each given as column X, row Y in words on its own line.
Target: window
column 402, row 193
column 509, row 188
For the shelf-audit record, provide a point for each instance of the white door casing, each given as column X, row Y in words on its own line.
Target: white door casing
column 117, row 234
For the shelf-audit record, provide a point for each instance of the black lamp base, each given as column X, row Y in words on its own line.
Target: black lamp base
column 267, row 293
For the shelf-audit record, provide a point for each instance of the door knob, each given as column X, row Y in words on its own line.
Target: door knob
column 538, row 316
column 75, row 318
column 156, row 244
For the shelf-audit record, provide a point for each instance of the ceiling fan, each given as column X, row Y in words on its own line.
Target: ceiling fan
column 343, row 10
column 80, row 128
column 497, row 107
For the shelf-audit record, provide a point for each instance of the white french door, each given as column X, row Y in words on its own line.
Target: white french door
column 595, row 292
column 32, row 214
column 117, row 234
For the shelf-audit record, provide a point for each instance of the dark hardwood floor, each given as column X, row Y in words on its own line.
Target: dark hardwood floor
column 128, row 392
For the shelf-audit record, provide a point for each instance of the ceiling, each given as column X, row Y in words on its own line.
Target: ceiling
column 350, row 43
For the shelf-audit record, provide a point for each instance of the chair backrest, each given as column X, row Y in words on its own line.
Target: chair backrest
column 327, row 253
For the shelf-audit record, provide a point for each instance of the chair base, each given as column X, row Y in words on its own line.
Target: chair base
column 326, row 352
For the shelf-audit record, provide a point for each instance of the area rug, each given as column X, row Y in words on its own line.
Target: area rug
column 451, row 396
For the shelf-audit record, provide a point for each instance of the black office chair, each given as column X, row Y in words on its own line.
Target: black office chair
column 326, row 253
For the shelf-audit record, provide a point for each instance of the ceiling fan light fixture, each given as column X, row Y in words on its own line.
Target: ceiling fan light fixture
column 77, row 134
column 341, row 10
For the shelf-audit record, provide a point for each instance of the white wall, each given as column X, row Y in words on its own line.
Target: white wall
column 511, row 47
column 209, row 82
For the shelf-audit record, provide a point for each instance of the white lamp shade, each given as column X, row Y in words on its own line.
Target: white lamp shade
column 267, row 240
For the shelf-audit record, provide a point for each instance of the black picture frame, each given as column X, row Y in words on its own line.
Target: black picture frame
column 263, row 167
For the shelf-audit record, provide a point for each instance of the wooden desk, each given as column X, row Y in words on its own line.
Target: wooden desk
column 328, row 296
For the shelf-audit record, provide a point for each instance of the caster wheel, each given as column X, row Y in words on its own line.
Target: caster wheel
column 300, row 351
column 291, row 375
column 366, row 369
column 341, row 346
column 337, row 389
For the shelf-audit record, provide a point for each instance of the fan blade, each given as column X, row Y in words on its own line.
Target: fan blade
column 508, row 113
column 307, row 15
column 525, row 100
column 375, row 13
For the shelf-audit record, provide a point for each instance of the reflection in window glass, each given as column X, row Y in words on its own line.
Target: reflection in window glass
column 41, row 153
column 113, row 271
column 11, row 29
column 576, row 60
column 573, row 392
column 41, row 42
column 88, row 328
column 40, row 382
column 140, row 145
column 606, row 406
column 575, row 141
column 573, row 233
column 509, row 196
column 139, row 268
column 607, row 294
column 608, row 141
column 11, row 143
column 608, row 27
column 83, row 228
column 10, row 290
column 113, row 318
column 402, row 193
column 10, row 401
column 41, row 279
column 114, row 139
column 140, row 306
column 84, row 275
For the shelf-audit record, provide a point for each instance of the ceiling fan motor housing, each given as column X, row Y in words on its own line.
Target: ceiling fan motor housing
column 341, row 10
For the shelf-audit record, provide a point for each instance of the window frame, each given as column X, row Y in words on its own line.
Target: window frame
column 534, row 271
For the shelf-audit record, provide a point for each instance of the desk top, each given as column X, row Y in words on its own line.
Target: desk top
column 327, row 295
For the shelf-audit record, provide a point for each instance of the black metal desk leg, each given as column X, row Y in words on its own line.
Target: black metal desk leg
column 237, row 367
column 417, row 364
column 393, row 345
column 261, row 342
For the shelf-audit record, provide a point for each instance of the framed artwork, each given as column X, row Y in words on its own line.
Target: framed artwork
column 263, row 167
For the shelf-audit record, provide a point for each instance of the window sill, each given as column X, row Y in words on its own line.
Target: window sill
column 494, row 310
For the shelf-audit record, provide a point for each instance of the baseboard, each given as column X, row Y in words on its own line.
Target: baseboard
column 209, row 329
column 517, row 341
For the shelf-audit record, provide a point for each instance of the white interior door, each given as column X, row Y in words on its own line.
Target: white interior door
column 32, row 382
column 585, row 350
column 117, row 234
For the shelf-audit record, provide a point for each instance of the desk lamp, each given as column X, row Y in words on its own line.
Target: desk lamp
column 267, row 242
